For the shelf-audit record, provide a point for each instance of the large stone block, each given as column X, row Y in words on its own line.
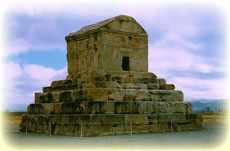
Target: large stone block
column 153, row 118
column 141, row 119
column 113, row 119
column 78, row 95
column 145, row 80
column 88, row 85
column 146, row 107
column 53, row 119
column 109, row 108
column 188, row 126
column 133, row 86
column 64, row 96
column 129, row 86
column 60, row 83
column 37, row 98
column 167, row 96
column 68, row 108
column 95, row 107
column 126, row 107
column 107, row 84
column 161, row 81
column 35, row 109
column 130, row 95
column 50, row 97
column 97, row 130
column 47, row 89
column 85, row 119
column 193, row 117
column 116, row 94
column 126, row 79
column 97, row 94
column 142, row 95
column 167, row 87
column 160, row 128
column 189, row 107
column 153, row 86
column 172, row 117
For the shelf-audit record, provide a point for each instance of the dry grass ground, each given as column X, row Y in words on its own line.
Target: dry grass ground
column 12, row 117
column 10, row 121
column 214, row 117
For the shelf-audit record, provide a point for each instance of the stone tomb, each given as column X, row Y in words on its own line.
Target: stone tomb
column 108, row 89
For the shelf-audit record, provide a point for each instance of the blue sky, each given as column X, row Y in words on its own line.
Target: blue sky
column 187, row 44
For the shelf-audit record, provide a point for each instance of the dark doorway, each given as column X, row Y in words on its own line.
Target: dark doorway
column 125, row 63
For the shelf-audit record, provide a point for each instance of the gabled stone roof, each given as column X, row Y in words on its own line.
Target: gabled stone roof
column 94, row 27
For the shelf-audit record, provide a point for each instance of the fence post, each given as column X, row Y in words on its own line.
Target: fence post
column 171, row 126
column 81, row 129
column 131, row 130
column 50, row 129
column 26, row 127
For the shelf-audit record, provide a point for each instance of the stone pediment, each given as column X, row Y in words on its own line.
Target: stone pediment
column 121, row 23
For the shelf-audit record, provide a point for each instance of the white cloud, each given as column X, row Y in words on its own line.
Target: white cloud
column 173, row 52
column 175, row 39
column 168, row 61
column 162, row 17
column 202, row 88
column 18, row 46
column 38, row 72
column 12, row 70
column 21, row 82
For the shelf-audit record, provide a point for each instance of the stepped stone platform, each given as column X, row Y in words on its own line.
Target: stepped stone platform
column 109, row 89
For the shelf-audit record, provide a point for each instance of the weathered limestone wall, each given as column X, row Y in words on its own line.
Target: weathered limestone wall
column 104, row 50
column 83, row 53
column 118, row 45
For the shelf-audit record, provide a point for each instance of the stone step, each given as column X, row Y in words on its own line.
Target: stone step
column 61, row 88
column 99, row 124
column 108, row 84
column 111, row 73
column 97, row 107
column 104, row 130
column 112, row 119
column 118, row 79
column 110, row 94
column 121, row 79
column 75, row 86
column 114, row 76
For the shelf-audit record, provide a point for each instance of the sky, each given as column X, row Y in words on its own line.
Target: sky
column 187, row 44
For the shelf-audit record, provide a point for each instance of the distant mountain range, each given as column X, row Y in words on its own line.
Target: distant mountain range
column 198, row 105
column 201, row 104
